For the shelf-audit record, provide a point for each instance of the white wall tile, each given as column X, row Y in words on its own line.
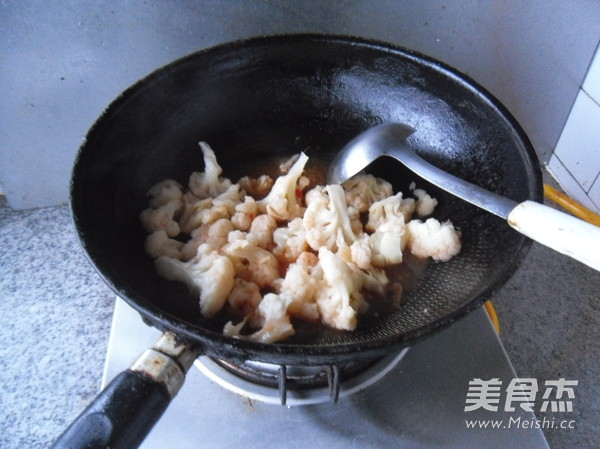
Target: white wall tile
column 591, row 84
column 570, row 185
column 594, row 194
column 578, row 147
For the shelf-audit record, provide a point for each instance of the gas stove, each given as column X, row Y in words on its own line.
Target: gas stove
column 412, row 398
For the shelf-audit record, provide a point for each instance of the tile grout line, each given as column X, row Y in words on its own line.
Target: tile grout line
column 571, row 174
column 556, row 176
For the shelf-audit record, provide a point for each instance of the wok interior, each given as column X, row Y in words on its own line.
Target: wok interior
column 255, row 99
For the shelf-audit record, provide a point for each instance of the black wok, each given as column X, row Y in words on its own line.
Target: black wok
column 281, row 95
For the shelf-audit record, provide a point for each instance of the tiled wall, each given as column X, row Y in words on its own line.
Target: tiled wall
column 576, row 160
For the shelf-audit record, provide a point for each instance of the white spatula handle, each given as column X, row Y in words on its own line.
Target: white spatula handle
column 559, row 231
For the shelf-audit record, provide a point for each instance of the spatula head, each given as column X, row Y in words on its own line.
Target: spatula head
column 365, row 148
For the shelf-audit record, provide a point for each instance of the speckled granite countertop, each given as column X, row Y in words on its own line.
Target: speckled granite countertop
column 56, row 314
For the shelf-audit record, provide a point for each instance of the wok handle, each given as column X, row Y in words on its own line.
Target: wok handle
column 559, row 231
column 127, row 409
column 120, row 417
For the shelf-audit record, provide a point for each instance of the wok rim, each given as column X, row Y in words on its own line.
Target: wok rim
column 218, row 345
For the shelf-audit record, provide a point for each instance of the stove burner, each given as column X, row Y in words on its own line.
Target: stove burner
column 295, row 384
column 294, row 377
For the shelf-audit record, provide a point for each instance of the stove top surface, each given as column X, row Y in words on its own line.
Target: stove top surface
column 418, row 401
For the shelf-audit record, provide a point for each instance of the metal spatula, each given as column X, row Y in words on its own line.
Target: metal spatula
column 559, row 231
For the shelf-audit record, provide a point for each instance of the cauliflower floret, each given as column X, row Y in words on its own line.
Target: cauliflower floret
column 193, row 208
column 440, row 241
column 261, row 231
column 223, row 205
column 281, row 202
column 163, row 218
column 301, row 283
column 361, row 252
column 165, row 191
column 276, row 322
column 198, row 212
column 208, row 184
column 339, row 298
column 303, row 183
column 316, row 194
column 387, row 208
column 256, row 187
column 251, row 262
column 209, row 276
column 359, row 257
column 218, row 232
column 290, row 241
column 388, row 241
column 362, row 190
column 307, row 258
column 319, row 194
column 355, row 220
column 425, row 204
column 286, row 165
column 215, row 234
column 159, row 244
column 245, row 213
column 244, row 297
column 235, row 235
column 271, row 315
column 235, row 330
column 326, row 220
column 374, row 280
column 190, row 248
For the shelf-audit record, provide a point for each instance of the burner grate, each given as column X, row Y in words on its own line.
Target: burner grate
column 295, row 377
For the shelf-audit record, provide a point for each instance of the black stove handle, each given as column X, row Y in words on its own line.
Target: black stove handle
column 127, row 409
column 120, row 417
